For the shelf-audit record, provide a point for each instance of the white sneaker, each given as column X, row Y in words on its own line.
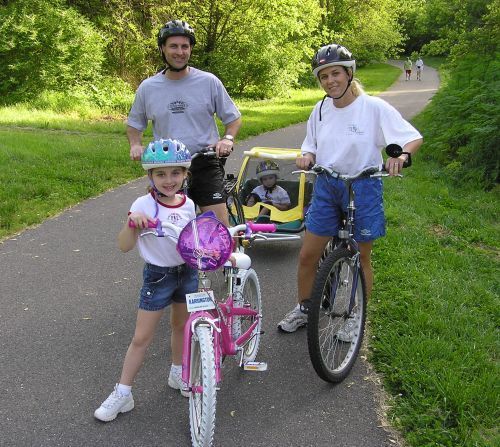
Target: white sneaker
column 346, row 332
column 293, row 320
column 175, row 382
column 114, row 404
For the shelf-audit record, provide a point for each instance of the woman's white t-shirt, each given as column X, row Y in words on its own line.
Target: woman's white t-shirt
column 350, row 139
column 162, row 251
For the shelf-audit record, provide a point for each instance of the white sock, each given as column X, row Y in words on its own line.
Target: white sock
column 176, row 369
column 124, row 390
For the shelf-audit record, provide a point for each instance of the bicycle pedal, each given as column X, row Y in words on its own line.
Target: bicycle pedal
column 255, row 366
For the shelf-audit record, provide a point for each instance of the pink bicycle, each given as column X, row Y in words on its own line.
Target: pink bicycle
column 216, row 329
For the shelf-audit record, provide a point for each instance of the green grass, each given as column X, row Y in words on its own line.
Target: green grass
column 435, row 309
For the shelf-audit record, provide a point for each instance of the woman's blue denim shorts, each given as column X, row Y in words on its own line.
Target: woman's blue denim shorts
column 329, row 203
column 164, row 285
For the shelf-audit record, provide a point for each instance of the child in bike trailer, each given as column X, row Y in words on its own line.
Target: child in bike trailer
column 269, row 191
column 166, row 277
column 346, row 132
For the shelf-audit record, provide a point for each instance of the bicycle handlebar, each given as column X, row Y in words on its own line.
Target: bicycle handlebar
column 209, row 151
column 249, row 228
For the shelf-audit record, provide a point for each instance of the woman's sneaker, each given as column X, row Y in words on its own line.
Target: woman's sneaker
column 346, row 332
column 114, row 404
column 175, row 382
column 293, row 320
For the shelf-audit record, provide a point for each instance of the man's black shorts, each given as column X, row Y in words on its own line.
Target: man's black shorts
column 206, row 183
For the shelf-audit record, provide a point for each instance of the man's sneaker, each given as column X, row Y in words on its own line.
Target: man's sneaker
column 114, row 404
column 175, row 382
column 293, row 320
column 346, row 332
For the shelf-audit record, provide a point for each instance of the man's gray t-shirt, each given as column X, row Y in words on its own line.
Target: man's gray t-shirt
column 183, row 109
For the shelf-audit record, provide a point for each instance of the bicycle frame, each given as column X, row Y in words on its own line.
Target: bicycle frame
column 220, row 321
column 346, row 239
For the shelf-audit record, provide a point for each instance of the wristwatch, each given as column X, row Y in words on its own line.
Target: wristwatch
column 228, row 137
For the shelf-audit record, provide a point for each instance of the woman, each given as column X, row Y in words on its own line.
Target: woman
column 346, row 131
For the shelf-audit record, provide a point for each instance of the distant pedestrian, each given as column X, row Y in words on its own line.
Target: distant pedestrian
column 407, row 66
column 420, row 66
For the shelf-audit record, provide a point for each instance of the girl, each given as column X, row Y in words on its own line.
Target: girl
column 166, row 278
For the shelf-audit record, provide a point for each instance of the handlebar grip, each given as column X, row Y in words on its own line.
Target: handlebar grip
column 151, row 223
column 263, row 227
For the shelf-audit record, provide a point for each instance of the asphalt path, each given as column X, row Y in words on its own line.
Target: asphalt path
column 67, row 313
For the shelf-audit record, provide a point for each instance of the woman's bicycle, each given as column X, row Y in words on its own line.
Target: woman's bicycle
column 337, row 307
column 216, row 329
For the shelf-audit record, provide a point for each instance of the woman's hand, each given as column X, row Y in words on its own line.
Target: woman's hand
column 305, row 161
column 395, row 165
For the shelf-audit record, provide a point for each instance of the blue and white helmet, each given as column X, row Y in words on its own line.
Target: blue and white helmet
column 161, row 153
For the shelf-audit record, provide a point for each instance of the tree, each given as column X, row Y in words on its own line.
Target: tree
column 369, row 28
column 257, row 47
column 44, row 45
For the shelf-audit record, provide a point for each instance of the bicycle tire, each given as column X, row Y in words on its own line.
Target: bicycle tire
column 248, row 294
column 331, row 357
column 203, row 398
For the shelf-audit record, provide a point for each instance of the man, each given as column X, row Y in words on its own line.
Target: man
column 182, row 102
column 420, row 66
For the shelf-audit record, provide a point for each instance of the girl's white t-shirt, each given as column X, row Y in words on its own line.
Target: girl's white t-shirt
column 162, row 251
column 350, row 139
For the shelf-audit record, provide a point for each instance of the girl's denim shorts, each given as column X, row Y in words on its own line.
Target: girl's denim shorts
column 329, row 203
column 164, row 285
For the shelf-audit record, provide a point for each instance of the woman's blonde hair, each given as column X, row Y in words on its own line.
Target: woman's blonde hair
column 356, row 87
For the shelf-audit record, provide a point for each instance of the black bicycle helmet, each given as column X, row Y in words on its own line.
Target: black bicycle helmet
column 332, row 54
column 175, row 28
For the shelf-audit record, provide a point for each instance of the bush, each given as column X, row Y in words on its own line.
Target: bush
column 45, row 46
column 464, row 117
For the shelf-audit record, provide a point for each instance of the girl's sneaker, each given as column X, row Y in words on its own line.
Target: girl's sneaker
column 175, row 382
column 114, row 404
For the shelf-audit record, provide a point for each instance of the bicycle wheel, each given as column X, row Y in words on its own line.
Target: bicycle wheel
column 203, row 394
column 333, row 335
column 247, row 294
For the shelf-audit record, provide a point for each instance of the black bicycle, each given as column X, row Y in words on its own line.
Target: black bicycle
column 337, row 308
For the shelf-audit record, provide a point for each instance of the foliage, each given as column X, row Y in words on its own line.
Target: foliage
column 257, row 47
column 45, row 46
column 368, row 28
column 433, row 27
column 463, row 120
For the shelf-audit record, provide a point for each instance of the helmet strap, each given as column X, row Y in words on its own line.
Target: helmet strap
column 177, row 70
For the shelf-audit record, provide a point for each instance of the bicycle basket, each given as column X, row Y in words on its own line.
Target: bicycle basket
column 205, row 243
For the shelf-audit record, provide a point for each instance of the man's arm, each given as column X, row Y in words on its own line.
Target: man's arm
column 233, row 127
column 135, row 140
column 225, row 146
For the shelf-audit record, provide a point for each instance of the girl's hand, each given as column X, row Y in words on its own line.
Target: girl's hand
column 139, row 220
